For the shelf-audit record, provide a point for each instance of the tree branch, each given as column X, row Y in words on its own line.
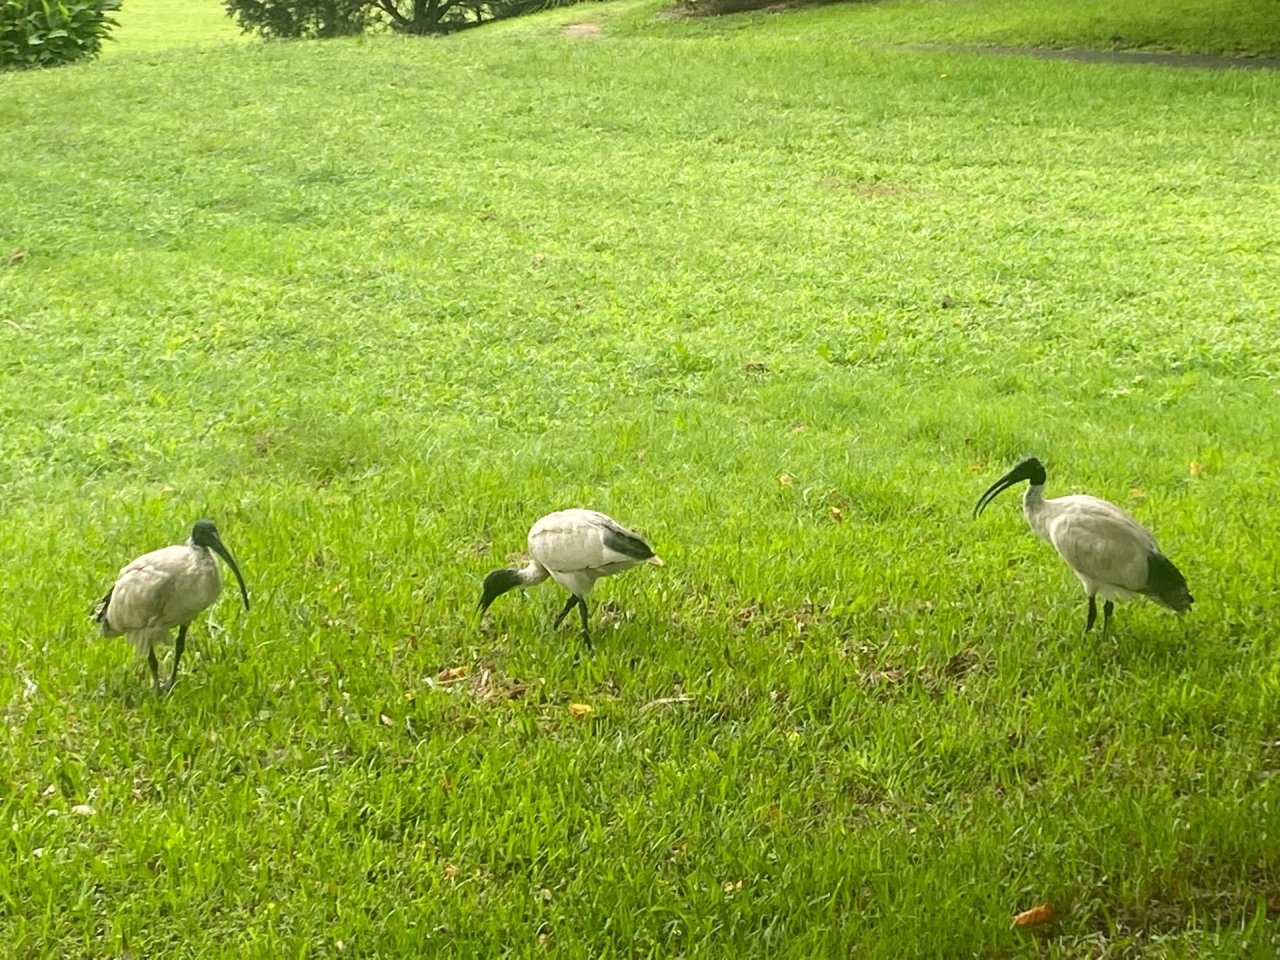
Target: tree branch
column 389, row 7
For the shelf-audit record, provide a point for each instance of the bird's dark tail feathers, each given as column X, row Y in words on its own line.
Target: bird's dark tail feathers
column 99, row 614
column 1166, row 585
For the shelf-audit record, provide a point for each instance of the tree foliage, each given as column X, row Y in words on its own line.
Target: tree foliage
column 332, row 18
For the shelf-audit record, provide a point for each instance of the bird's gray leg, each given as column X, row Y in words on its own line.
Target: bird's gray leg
column 154, row 665
column 178, row 646
column 586, row 633
column 1093, row 613
column 1106, row 616
column 569, row 605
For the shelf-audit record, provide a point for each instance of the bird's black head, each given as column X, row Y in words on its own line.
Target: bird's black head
column 496, row 584
column 205, row 534
column 1029, row 469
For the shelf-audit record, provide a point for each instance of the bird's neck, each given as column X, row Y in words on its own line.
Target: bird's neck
column 532, row 573
column 1036, row 509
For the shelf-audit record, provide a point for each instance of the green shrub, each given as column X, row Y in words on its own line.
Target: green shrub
column 331, row 18
column 45, row 33
column 308, row 18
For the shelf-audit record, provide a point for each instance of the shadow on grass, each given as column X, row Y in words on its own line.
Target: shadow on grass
column 718, row 8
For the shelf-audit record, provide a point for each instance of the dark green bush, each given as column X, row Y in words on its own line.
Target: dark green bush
column 332, row 18
column 301, row 18
column 45, row 33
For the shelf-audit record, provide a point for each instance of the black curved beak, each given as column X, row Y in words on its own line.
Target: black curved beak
column 1016, row 475
column 220, row 549
column 485, row 601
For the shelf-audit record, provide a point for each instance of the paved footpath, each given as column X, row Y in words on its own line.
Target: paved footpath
column 1201, row 61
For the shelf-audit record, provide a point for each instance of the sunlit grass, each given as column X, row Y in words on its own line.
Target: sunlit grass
column 153, row 25
column 374, row 306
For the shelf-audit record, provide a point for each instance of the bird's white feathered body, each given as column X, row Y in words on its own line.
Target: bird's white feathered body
column 578, row 547
column 1108, row 550
column 1112, row 555
column 167, row 588
column 160, row 590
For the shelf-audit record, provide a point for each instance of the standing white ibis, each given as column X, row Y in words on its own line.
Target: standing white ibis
column 1112, row 554
column 576, row 548
column 163, row 589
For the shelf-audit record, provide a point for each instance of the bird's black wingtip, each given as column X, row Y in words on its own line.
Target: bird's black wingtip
column 99, row 612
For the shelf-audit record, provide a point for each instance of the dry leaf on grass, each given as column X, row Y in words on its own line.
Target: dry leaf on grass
column 1136, row 493
column 836, row 514
column 785, row 480
column 450, row 674
column 1194, row 468
column 83, row 810
column 581, row 709
column 1036, row 916
column 385, row 720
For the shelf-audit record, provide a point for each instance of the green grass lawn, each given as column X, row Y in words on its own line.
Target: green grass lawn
column 152, row 25
column 376, row 305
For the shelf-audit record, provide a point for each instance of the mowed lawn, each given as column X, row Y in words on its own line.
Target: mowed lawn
column 784, row 300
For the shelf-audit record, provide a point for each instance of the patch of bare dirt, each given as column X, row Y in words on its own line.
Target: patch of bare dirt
column 585, row 29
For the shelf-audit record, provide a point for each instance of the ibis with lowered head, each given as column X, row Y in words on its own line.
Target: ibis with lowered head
column 163, row 589
column 1112, row 554
column 575, row 548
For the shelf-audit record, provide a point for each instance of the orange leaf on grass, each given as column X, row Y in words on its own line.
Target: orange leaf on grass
column 1036, row 916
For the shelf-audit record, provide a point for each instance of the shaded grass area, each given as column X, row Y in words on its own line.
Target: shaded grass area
column 785, row 305
column 1234, row 27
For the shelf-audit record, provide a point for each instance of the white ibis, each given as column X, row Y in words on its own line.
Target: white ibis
column 163, row 589
column 1110, row 552
column 576, row 548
